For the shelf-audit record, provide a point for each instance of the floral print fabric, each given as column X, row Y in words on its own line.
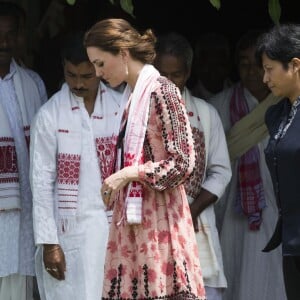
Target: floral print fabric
column 159, row 258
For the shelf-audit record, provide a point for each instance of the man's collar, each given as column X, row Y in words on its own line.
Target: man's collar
column 12, row 71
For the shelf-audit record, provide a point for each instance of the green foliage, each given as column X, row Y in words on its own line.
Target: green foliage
column 274, row 7
column 274, row 10
column 71, row 2
column 216, row 3
column 126, row 5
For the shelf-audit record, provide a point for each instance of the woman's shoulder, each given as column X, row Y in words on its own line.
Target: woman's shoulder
column 165, row 88
column 274, row 114
column 275, row 110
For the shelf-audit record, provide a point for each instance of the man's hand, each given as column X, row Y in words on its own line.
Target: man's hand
column 54, row 261
column 204, row 199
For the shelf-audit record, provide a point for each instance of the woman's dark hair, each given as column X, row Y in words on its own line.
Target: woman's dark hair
column 281, row 43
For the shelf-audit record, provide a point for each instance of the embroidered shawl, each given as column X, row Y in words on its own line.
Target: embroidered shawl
column 250, row 198
column 19, row 102
column 134, row 137
column 69, row 147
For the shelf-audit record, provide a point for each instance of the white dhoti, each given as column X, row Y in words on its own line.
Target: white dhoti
column 16, row 287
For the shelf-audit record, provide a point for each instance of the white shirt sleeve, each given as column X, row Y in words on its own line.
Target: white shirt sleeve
column 218, row 171
column 43, row 150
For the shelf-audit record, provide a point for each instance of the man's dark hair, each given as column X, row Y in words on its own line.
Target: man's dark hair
column 247, row 40
column 11, row 9
column 175, row 44
column 73, row 49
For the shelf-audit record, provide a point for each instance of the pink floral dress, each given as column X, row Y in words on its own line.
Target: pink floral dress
column 159, row 258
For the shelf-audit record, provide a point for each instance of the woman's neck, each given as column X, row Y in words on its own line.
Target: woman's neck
column 134, row 69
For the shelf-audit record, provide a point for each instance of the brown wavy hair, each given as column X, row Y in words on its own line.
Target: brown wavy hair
column 113, row 35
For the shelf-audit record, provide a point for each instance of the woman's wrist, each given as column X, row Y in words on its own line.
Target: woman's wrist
column 132, row 173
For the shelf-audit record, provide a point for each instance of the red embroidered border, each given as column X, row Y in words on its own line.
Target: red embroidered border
column 106, row 152
column 68, row 168
column 8, row 159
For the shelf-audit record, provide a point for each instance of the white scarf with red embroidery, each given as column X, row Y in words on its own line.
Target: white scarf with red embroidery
column 108, row 106
column 134, row 137
column 16, row 114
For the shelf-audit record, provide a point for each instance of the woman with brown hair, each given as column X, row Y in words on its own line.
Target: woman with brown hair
column 152, row 250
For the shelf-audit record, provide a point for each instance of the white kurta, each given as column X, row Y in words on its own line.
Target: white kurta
column 85, row 245
column 16, row 258
column 217, row 176
column 251, row 274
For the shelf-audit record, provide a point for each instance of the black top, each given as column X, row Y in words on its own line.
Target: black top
column 283, row 160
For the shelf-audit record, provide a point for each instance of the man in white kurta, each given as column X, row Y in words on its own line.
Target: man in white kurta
column 22, row 92
column 72, row 152
column 16, row 234
column 173, row 60
column 251, row 274
column 214, row 181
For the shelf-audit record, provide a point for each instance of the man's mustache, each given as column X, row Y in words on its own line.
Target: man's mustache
column 79, row 90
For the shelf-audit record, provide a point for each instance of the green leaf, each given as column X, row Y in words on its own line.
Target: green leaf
column 71, row 2
column 275, row 11
column 127, row 6
column 112, row 1
column 215, row 3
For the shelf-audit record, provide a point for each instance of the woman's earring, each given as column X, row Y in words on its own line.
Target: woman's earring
column 126, row 69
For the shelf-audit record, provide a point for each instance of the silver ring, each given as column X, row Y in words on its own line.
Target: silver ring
column 52, row 269
column 105, row 193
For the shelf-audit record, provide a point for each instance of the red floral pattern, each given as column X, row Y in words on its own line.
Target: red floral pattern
column 193, row 184
column 106, row 152
column 8, row 155
column 159, row 258
column 68, row 168
column 8, row 161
